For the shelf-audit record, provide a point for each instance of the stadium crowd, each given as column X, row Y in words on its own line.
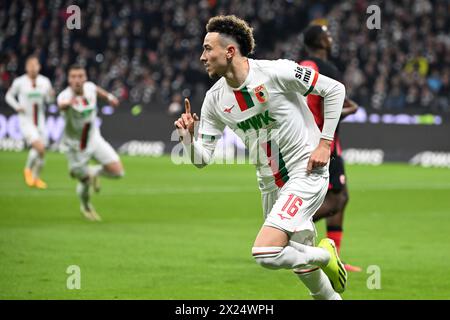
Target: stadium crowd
column 148, row 52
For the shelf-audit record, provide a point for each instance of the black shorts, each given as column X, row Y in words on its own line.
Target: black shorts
column 337, row 174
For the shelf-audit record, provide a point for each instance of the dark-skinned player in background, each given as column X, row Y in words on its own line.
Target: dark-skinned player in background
column 318, row 41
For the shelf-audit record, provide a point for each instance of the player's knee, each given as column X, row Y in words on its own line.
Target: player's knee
column 333, row 203
column 115, row 170
column 267, row 257
column 343, row 200
column 117, row 174
column 120, row 174
column 39, row 147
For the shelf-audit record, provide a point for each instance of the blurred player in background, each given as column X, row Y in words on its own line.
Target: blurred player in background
column 33, row 91
column 253, row 97
column 318, row 43
column 82, row 140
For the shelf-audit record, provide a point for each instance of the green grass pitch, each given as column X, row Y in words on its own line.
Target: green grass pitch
column 176, row 232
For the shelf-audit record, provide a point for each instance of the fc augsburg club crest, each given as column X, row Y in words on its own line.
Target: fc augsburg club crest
column 261, row 93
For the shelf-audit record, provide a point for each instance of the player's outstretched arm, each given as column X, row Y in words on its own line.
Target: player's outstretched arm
column 350, row 107
column 102, row 93
column 63, row 105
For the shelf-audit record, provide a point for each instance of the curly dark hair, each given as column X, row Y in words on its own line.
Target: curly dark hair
column 235, row 28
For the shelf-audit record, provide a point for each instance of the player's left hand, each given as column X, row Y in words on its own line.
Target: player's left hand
column 350, row 107
column 113, row 100
column 320, row 156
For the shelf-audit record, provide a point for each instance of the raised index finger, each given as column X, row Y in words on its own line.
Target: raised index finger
column 187, row 106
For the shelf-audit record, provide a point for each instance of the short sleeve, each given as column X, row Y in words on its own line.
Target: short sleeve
column 61, row 97
column 91, row 86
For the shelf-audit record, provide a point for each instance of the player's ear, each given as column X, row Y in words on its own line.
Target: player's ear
column 231, row 51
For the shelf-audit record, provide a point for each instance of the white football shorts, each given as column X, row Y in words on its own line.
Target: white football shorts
column 31, row 132
column 97, row 148
column 292, row 207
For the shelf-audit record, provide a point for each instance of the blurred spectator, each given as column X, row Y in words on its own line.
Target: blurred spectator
column 148, row 52
column 402, row 65
column 395, row 99
column 175, row 108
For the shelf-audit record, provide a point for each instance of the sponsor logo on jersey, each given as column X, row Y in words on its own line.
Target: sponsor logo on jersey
column 261, row 93
column 34, row 95
column 283, row 217
column 228, row 110
column 304, row 73
column 256, row 122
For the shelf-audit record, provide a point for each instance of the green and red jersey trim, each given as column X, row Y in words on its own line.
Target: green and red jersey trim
column 316, row 75
column 244, row 99
column 276, row 163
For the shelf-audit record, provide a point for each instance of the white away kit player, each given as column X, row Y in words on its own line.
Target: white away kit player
column 264, row 103
column 28, row 95
column 82, row 140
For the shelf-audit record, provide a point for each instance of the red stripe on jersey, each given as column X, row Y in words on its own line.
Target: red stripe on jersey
column 279, row 170
column 35, row 114
column 84, row 136
column 316, row 76
column 85, row 102
column 276, row 174
column 240, row 100
column 315, row 102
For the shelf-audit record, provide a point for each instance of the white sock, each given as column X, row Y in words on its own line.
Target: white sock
column 38, row 165
column 292, row 256
column 318, row 256
column 319, row 285
column 32, row 156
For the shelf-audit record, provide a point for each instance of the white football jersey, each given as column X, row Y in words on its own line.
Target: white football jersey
column 80, row 116
column 270, row 114
column 31, row 96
